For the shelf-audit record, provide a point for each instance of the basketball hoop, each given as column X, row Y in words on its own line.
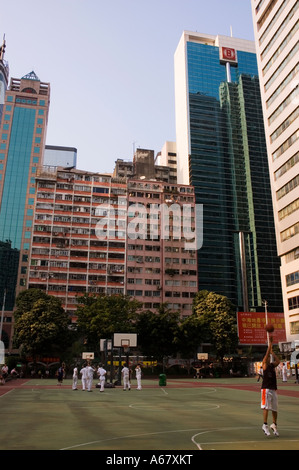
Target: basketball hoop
column 125, row 344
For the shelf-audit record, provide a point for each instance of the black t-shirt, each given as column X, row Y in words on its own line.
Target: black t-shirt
column 269, row 377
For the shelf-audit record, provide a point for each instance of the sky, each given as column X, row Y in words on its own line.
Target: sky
column 110, row 65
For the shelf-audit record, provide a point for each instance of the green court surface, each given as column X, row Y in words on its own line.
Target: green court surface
column 186, row 414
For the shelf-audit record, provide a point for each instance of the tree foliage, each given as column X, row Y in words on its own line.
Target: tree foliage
column 41, row 324
column 190, row 335
column 100, row 316
column 158, row 332
column 218, row 321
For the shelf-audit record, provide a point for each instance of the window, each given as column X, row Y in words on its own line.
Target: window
column 292, row 278
column 294, row 327
column 293, row 302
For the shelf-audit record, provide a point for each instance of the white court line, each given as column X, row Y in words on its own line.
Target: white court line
column 127, row 437
column 153, row 407
column 9, row 391
column 199, row 446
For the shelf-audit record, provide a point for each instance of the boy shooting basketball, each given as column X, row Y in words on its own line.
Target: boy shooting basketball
column 269, row 389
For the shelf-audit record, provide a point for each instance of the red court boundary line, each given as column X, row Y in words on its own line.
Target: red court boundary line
column 171, row 383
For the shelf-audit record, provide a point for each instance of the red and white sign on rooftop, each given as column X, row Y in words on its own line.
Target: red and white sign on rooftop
column 228, row 54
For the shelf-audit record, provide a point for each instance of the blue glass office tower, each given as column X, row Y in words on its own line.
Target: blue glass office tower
column 221, row 151
column 23, row 132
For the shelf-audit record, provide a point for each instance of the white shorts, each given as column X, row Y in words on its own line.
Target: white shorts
column 269, row 399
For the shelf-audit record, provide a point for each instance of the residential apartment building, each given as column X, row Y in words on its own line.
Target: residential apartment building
column 88, row 238
column 161, row 265
column 167, row 158
column 79, row 235
column 144, row 166
column 276, row 26
column 221, row 152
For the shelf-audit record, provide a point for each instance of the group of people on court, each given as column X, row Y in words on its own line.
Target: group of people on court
column 126, row 373
column 87, row 375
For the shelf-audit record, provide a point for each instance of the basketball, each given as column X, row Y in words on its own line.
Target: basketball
column 269, row 328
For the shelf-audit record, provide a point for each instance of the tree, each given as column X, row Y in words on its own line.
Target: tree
column 218, row 320
column 100, row 316
column 41, row 325
column 190, row 336
column 158, row 333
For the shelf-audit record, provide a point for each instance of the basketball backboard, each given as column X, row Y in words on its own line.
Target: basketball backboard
column 127, row 340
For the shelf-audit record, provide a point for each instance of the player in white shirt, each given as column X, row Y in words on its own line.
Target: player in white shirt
column 138, row 376
column 126, row 377
column 83, row 373
column 102, row 377
column 75, row 378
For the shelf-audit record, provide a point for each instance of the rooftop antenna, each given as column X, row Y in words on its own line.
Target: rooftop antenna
column 2, row 48
column 231, row 31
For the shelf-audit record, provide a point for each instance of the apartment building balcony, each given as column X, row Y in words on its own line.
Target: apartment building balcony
column 46, row 173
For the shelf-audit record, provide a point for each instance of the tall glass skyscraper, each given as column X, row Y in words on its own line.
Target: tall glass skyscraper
column 23, row 131
column 221, row 151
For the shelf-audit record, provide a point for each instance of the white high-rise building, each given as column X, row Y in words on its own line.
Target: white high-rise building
column 276, row 24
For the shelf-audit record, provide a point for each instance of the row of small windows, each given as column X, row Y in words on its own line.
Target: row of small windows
column 278, row 32
column 171, row 306
column 292, row 255
column 292, row 75
column 289, row 99
column 286, row 123
column 292, row 184
column 282, row 66
column 289, row 209
column 286, row 145
column 10, row 100
column 157, row 282
column 273, row 21
column 287, row 166
column 289, row 232
column 157, row 293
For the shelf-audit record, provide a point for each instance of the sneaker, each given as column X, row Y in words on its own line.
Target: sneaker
column 273, row 428
column 265, row 428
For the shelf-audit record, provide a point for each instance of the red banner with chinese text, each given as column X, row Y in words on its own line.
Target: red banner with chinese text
column 251, row 327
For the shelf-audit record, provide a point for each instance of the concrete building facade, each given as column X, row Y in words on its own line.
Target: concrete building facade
column 276, row 26
column 161, row 265
column 79, row 235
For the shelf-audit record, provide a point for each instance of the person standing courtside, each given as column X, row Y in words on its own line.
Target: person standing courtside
column 269, row 389
column 102, row 377
column 138, row 376
column 126, row 378
column 83, row 373
column 90, row 371
column 75, row 378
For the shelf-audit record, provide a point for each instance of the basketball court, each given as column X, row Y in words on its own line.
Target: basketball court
column 187, row 414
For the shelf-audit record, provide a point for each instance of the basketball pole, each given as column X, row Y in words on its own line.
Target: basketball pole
column 266, row 318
